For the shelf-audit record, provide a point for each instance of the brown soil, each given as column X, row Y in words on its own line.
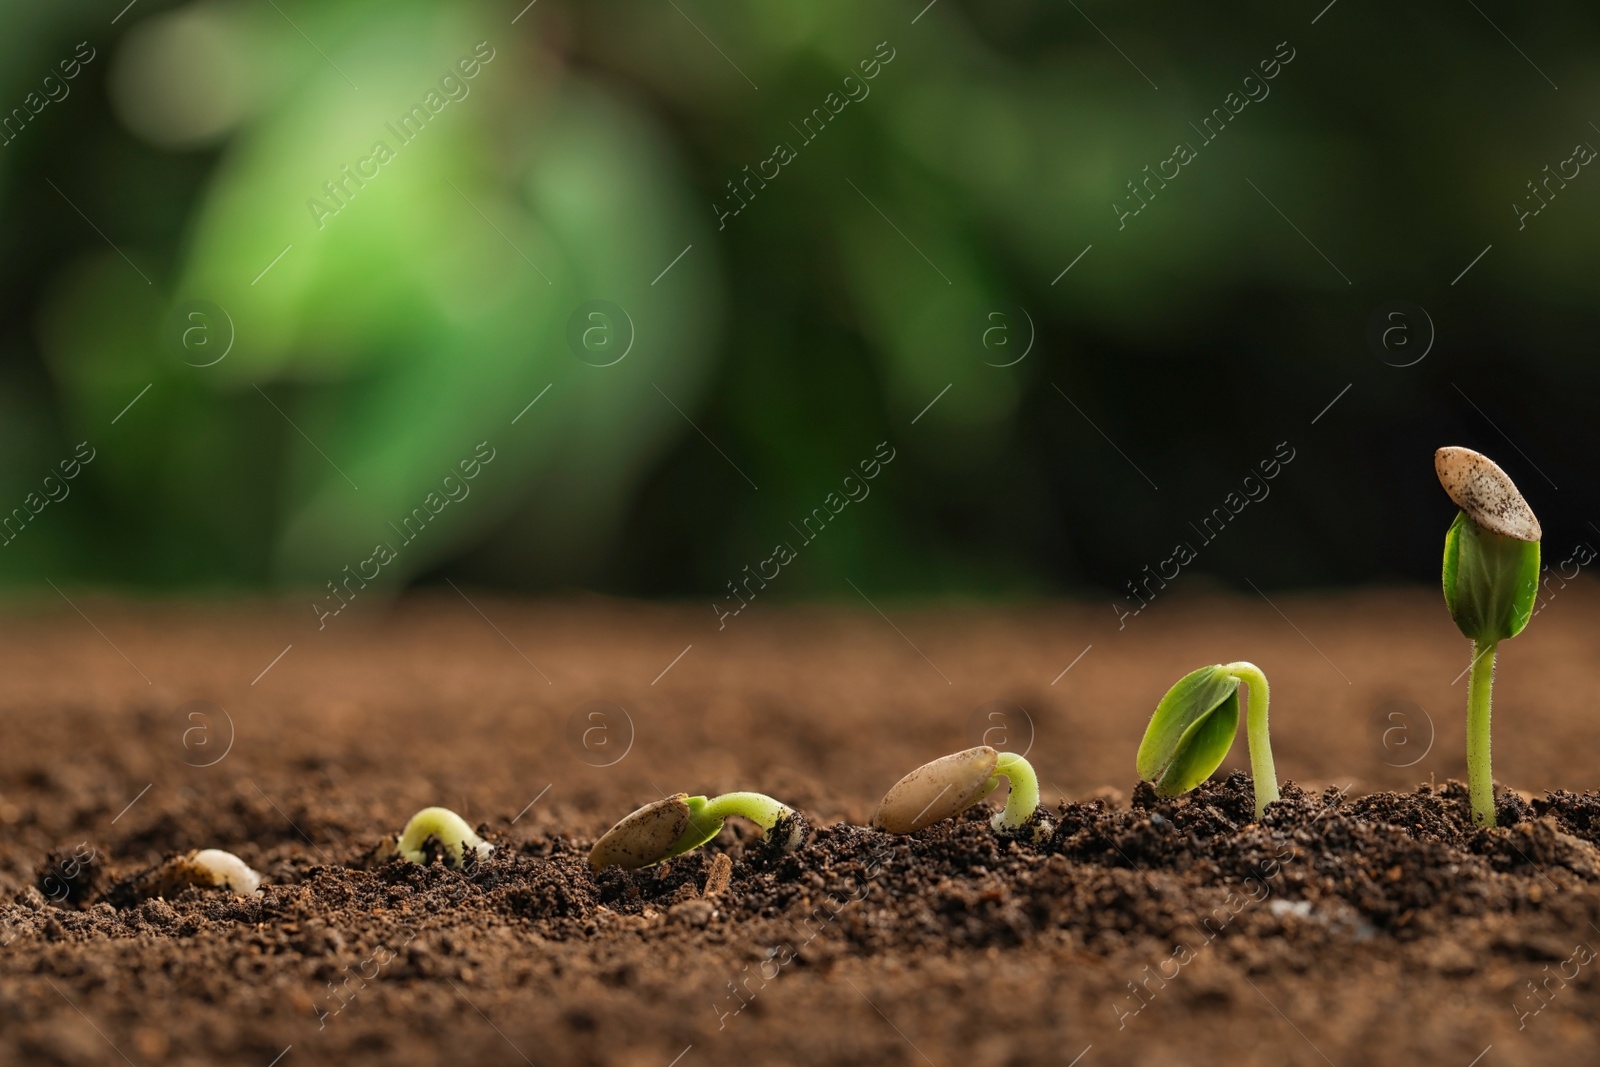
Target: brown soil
column 1349, row 927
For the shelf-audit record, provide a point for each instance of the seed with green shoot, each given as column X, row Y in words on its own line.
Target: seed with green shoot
column 681, row 823
column 1491, row 581
column 1194, row 725
column 951, row 784
column 451, row 832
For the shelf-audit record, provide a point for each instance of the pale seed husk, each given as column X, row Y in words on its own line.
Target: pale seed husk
column 937, row 790
column 1485, row 493
column 643, row 837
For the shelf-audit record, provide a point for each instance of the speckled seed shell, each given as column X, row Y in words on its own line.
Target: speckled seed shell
column 1485, row 492
column 936, row 791
column 643, row 837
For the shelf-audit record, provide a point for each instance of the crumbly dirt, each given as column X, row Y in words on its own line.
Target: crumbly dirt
column 1364, row 920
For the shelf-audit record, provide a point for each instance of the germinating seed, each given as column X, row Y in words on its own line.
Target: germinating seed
column 209, row 868
column 682, row 823
column 227, row 871
column 936, row 791
column 643, row 837
column 442, row 825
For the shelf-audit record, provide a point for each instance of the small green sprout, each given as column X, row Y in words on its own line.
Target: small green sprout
column 951, row 784
column 443, row 826
column 1491, row 581
column 1194, row 725
column 681, row 823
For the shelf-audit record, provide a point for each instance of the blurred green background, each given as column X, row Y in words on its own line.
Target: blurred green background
column 905, row 255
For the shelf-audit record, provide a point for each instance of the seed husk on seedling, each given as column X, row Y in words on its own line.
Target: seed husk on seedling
column 1491, row 581
column 460, row 843
column 1194, row 726
column 951, row 784
column 681, row 823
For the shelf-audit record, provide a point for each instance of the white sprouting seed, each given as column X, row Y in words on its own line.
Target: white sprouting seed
column 643, row 836
column 445, row 827
column 1486, row 493
column 223, row 870
column 936, row 791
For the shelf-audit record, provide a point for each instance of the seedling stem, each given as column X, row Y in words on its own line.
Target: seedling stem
column 1480, row 686
column 447, row 828
column 1023, row 799
column 1261, row 765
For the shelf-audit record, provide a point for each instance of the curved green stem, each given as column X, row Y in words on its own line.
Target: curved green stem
column 706, row 818
column 757, row 807
column 1261, row 766
column 1480, row 778
column 1023, row 799
column 444, row 826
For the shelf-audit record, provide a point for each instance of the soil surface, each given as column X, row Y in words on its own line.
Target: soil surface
column 1364, row 920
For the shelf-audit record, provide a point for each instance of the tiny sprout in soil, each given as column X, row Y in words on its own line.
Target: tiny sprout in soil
column 226, row 871
column 1491, row 580
column 208, row 868
column 1194, row 725
column 681, row 823
column 448, row 830
column 952, row 784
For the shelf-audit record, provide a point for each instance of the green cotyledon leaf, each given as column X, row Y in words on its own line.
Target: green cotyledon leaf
column 1191, row 731
column 1490, row 581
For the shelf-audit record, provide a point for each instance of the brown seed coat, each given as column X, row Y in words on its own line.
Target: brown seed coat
column 936, row 791
column 1485, row 492
column 642, row 837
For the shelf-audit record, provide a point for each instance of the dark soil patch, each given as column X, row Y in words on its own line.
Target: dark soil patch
column 1346, row 927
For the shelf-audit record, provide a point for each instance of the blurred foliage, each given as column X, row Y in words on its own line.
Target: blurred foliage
column 851, row 291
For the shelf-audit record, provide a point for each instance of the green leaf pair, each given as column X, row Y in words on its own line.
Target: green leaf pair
column 1491, row 582
column 1193, row 728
